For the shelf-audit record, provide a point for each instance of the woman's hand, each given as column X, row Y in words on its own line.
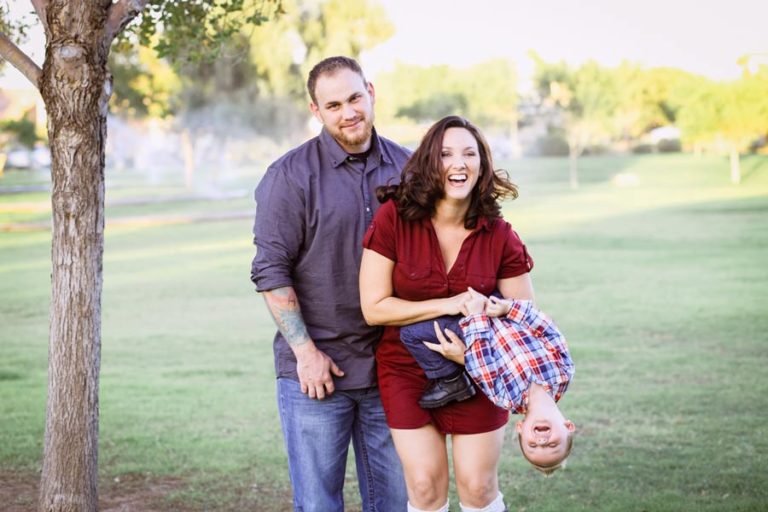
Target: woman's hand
column 455, row 305
column 453, row 349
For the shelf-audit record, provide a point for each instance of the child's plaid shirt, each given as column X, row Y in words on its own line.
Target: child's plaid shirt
column 505, row 355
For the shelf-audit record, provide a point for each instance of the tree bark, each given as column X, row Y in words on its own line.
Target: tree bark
column 75, row 86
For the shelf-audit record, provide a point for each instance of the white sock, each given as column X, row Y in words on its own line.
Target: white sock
column 497, row 505
column 444, row 508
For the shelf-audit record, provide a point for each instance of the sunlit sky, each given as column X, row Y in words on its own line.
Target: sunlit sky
column 701, row 36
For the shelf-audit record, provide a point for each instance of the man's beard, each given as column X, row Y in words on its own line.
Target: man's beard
column 357, row 139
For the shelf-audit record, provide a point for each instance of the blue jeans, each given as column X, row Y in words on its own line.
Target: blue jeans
column 433, row 363
column 317, row 435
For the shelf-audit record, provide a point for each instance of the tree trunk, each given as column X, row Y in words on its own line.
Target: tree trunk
column 735, row 165
column 188, row 153
column 698, row 150
column 573, row 165
column 75, row 86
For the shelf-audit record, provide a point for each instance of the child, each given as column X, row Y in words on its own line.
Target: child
column 518, row 358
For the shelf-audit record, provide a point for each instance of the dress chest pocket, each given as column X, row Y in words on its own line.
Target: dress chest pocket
column 483, row 283
column 415, row 272
column 413, row 282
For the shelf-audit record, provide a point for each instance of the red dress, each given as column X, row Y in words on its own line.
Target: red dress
column 492, row 251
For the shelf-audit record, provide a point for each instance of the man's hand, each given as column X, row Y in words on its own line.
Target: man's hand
column 453, row 349
column 496, row 307
column 312, row 365
column 315, row 368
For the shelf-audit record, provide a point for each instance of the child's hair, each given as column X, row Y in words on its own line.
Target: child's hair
column 548, row 470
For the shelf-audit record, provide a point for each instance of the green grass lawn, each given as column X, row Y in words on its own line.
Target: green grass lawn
column 657, row 277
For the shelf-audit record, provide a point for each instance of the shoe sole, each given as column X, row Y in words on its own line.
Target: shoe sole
column 434, row 405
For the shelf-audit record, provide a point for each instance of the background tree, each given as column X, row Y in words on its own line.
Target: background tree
column 734, row 113
column 744, row 115
column 283, row 51
column 420, row 94
column 586, row 97
column 256, row 85
column 20, row 132
column 698, row 107
column 144, row 85
column 485, row 93
column 644, row 99
column 76, row 85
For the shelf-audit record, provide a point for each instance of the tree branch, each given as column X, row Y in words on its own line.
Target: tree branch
column 121, row 13
column 20, row 60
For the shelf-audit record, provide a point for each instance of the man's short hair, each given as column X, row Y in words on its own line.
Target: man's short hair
column 548, row 470
column 330, row 66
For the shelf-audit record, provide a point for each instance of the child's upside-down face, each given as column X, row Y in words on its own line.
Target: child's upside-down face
column 545, row 441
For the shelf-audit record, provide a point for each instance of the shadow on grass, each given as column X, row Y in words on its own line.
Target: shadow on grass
column 752, row 165
column 144, row 493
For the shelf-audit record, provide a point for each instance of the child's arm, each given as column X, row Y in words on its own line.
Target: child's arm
column 496, row 307
column 543, row 329
column 546, row 329
column 475, row 304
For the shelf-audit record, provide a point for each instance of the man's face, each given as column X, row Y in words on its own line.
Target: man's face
column 345, row 107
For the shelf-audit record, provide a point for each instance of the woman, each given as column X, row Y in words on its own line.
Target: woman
column 434, row 236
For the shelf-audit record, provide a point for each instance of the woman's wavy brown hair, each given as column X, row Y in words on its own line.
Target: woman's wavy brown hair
column 421, row 181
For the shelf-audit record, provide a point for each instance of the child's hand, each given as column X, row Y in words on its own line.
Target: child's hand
column 475, row 304
column 496, row 307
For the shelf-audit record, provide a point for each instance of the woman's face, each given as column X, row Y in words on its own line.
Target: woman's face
column 461, row 163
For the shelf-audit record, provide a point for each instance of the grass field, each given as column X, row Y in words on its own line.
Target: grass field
column 655, row 269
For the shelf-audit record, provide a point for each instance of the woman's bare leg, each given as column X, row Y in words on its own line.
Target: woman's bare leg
column 475, row 465
column 424, row 458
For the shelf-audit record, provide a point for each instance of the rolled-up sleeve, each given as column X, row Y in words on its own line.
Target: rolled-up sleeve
column 515, row 259
column 381, row 235
column 278, row 230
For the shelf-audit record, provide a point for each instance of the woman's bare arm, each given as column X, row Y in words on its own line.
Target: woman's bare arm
column 379, row 305
column 518, row 287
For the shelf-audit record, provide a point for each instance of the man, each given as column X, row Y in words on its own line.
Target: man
column 314, row 205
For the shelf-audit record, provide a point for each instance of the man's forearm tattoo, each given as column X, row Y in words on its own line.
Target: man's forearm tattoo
column 284, row 307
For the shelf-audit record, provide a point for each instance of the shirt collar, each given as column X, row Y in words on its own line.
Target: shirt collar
column 483, row 223
column 338, row 156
